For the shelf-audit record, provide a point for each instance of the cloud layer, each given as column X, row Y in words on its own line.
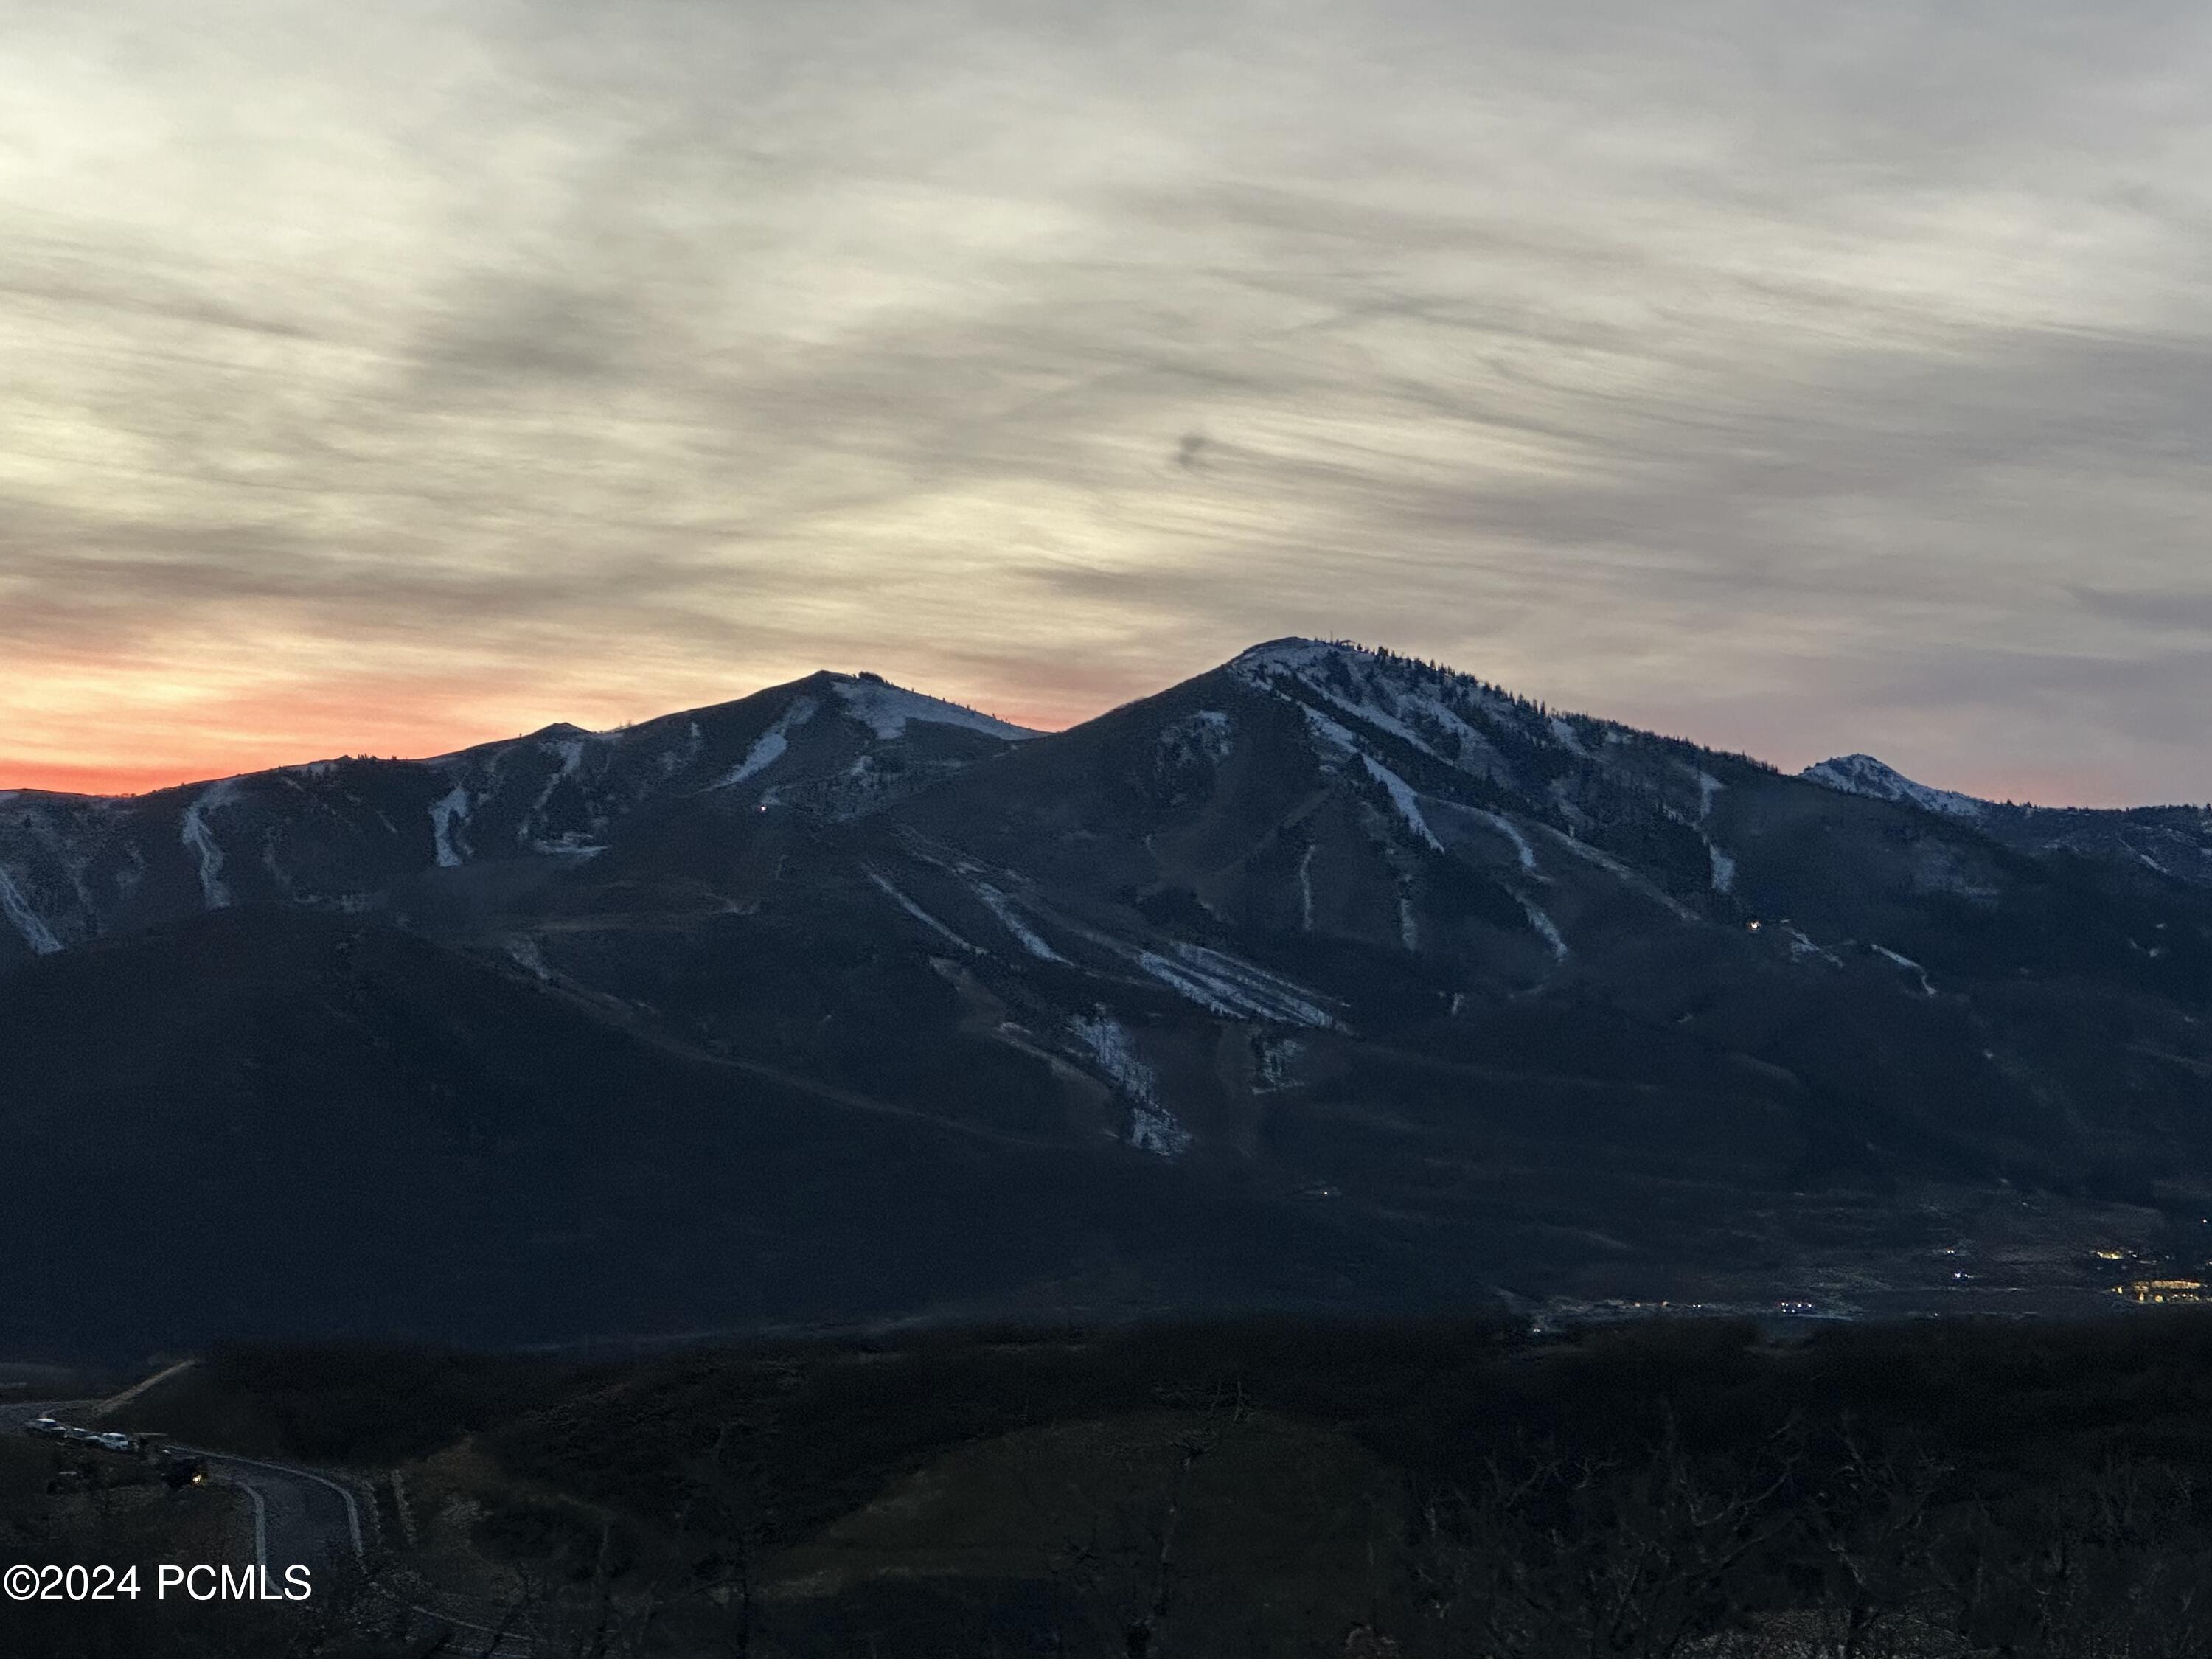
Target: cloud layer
column 1798, row 378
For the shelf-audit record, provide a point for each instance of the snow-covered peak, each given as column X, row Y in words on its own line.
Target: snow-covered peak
column 1293, row 653
column 885, row 708
column 1435, row 709
column 1385, row 674
column 1862, row 775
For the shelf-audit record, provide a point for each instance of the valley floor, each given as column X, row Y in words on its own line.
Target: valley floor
column 1724, row 1488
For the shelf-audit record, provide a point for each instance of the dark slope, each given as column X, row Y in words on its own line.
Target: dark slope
column 262, row 1122
column 1324, row 979
column 1364, row 928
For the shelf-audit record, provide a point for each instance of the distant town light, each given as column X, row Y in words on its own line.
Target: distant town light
column 2163, row 1290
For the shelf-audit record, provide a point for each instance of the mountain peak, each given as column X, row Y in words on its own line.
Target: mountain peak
column 885, row 708
column 1293, row 651
column 1863, row 775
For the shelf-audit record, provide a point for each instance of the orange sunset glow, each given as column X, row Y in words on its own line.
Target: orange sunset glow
column 596, row 376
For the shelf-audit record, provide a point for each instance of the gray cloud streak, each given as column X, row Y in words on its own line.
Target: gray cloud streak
column 1797, row 379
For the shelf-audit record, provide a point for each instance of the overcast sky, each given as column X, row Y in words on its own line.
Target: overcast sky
column 1801, row 377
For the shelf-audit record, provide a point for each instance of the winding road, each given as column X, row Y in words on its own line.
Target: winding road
column 300, row 1516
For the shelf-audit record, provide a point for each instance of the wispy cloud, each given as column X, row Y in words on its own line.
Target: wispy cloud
column 1799, row 378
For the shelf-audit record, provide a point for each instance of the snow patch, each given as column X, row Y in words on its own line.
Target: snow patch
column 1507, row 828
column 1108, row 1043
column 1375, row 716
column 1862, row 775
column 1002, row 907
column 921, row 915
column 524, row 950
column 768, row 747
column 200, row 839
column 1236, row 989
column 1800, row 945
column 1567, row 737
column 1305, row 888
column 1547, row 928
column 1708, row 788
column 448, row 816
column 571, row 750
column 1724, row 868
column 884, row 709
column 1295, row 654
column 1152, row 1127
column 1409, row 928
column 1336, row 742
column 1926, row 989
column 36, row 934
column 1207, row 732
column 1382, row 703
column 1401, row 794
column 1438, row 711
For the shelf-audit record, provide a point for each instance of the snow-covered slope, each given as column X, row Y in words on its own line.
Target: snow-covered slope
column 1540, row 996
column 1545, row 805
column 2174, row 842
column 1862, row 775
column 345, row 834
column 886, row 710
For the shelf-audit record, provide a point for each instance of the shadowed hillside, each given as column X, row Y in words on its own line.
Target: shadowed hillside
column 1275, row 1488
column 1327, row 980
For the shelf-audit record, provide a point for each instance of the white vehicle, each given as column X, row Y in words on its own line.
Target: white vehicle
column 49, row 1426
column 119, row 1443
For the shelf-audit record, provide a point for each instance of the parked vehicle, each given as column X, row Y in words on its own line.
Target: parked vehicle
column 45, row 1425
column 181, row 1469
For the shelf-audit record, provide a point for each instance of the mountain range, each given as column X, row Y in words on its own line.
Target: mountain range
column 1328, row 981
